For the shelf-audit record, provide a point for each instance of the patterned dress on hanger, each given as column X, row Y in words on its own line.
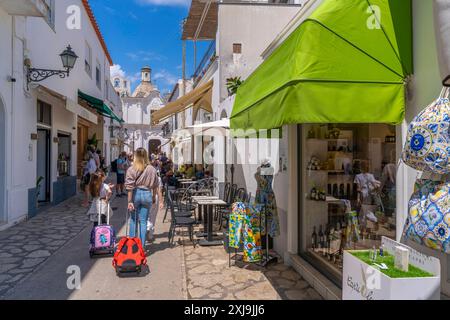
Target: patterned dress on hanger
column 266, row 196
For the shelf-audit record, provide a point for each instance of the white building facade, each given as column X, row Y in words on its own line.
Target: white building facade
column 137, row 113
column 46, row 125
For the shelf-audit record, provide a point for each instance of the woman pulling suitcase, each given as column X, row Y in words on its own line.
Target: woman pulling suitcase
column 142, row 184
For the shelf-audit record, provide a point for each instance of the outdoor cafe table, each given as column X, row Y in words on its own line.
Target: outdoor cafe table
column 200, row 213
column 210, row 204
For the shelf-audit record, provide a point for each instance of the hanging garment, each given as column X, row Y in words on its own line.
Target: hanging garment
column 429, row 217
column 244, row 224
column 265, row 196
column 427, row 142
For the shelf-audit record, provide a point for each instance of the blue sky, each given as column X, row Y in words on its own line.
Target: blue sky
column 146, row 32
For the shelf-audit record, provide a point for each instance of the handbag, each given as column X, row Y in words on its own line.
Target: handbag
column 429, row 215
column 428, row 140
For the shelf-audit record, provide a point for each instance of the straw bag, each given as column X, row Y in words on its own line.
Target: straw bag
column 428, row 139
column 429, row 215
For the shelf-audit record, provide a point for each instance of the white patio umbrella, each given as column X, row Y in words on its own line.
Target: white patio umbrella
column 219, row 128
column 210, row 128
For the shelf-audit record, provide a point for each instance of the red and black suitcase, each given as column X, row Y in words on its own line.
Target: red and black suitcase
column 130, row 254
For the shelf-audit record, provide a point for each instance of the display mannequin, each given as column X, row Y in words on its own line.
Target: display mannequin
column 265, row 196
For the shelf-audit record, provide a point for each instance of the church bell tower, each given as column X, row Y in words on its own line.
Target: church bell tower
column 146, row 74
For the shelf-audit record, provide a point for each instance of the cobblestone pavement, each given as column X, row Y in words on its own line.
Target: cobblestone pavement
column 27, row 245
column 209, row 276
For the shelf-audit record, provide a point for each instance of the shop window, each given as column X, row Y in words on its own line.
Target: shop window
column 64, row 148
column 98, row 76
column 88, row 60
column 347, row 180
column 44, row 113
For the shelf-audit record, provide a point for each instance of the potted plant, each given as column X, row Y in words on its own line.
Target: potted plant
column 233, row 85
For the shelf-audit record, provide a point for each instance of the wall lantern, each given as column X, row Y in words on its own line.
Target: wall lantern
column 68, row 58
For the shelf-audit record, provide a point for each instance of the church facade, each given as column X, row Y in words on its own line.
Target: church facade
column 137, row 113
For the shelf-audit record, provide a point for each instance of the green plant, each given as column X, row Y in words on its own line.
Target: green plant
column 93, row 141
column 233, row 85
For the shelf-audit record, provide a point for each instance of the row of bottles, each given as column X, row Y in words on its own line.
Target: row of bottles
column 342, row 191
column 328, row 242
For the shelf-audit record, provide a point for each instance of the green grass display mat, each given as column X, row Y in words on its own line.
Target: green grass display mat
column 388, row 259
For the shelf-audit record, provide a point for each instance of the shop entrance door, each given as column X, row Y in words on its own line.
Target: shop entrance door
column 43, row 164
column 82, row 140
column 153, row 146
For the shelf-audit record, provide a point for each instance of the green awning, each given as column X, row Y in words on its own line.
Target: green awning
column 99, row 106
column 347, row 63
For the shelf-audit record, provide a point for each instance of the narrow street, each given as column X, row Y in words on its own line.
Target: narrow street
column 37, row 253
column 36, row 268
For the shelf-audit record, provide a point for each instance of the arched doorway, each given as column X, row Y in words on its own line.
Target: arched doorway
column 223, row 114
column 153, row 146
column 3, row 211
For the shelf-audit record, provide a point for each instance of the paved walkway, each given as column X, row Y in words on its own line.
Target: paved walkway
column 47, row 277
column 29, row 244
column 36, row 255
column 209, row 276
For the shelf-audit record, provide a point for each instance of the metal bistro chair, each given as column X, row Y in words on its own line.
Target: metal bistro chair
column 178, row 221
column 183, row 201
column 167, row 190
column 224, row 211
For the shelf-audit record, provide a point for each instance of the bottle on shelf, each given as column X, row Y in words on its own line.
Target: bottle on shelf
column 313, row 193
column 341, row 191
column 321, row 239
column 329, row 235
column 314, row 239
column 335, row 190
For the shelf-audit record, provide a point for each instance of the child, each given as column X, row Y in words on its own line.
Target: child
column 157, row 205
column 101, row 193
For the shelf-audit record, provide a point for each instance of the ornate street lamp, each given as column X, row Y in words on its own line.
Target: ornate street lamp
column 68, row 58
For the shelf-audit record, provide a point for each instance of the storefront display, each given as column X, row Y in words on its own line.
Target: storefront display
column 395, row 272
column 348, row 183
column 64, row 151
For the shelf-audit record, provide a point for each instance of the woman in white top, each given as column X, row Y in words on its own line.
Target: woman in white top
column 90, row 168
column 154, row 212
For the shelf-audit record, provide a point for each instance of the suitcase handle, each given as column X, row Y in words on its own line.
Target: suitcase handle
column 108, row 208
column 137, row 230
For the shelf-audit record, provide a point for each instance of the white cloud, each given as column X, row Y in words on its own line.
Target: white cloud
column 165, row 2
column 145, row 56
column 165, row 77
column 116, row 70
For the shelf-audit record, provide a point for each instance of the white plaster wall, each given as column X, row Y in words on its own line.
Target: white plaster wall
column 6, row 92
column 258, row 25
column 34, row 37
column 425, row 87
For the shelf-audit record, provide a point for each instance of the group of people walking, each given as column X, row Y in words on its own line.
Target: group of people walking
column 137, row 179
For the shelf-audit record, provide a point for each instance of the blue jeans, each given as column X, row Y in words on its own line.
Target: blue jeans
column 142, row 200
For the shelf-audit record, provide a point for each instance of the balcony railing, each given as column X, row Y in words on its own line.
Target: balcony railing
column 31, row 8
column 208, row 58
